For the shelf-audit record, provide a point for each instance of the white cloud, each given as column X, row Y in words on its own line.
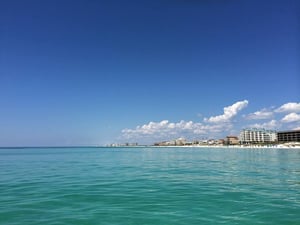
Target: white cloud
column 273, row 124
column 229, row 112
column 160, row 129
column 260, row 115
column 166, row 129
column 289, row 107
column 215, row 126
column 292, row 117
column 188, row 129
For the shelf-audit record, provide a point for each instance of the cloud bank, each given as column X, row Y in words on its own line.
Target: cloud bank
column 168, row 130
column 165, row 128
column 283, row 117
column 291, row 117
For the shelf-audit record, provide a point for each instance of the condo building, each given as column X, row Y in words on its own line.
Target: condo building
column 288, row 136
column 255, row 136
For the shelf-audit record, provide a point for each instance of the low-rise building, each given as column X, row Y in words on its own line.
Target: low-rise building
column 221, row 142
column 232, row 140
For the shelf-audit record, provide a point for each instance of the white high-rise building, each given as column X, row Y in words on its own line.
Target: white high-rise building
column 254, row 135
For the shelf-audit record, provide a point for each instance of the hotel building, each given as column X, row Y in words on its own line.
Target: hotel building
column 288, row 136
column 256, row 136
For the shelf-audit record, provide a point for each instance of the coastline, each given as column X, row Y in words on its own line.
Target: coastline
column 228, row 146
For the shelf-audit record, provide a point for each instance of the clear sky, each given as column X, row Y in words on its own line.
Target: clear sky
column 98, row 72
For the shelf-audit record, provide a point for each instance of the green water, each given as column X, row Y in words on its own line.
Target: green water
column 133, row 186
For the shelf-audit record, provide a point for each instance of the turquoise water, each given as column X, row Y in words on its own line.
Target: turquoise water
column 137, row 186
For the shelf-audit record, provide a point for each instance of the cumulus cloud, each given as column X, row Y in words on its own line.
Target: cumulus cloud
column 189, row 129
column 273, row 124
column 166, row 129
column 289, row 107
column 229, row 112
column 160, row 129
column 216, row 126
column 292, row 117
column 260, row 115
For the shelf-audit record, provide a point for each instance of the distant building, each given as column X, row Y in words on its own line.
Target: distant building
column 232, row 140
column 163, row 143
column 256, row 136
column 176, row 142
column 180, row 141
column 221, row 142
column 288, row 136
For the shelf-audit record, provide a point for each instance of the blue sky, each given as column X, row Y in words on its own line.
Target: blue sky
column 98, row 72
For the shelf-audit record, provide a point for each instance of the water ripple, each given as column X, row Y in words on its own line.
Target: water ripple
column 149, row 186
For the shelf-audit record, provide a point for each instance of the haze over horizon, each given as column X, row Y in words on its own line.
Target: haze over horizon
column 95, row 72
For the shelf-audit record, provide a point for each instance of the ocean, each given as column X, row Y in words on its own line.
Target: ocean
column 144, row 185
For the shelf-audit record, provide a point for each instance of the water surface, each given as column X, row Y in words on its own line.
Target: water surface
column 131, row 186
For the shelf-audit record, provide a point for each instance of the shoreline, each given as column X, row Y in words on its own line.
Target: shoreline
column 228, row 146
column 279, row 146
